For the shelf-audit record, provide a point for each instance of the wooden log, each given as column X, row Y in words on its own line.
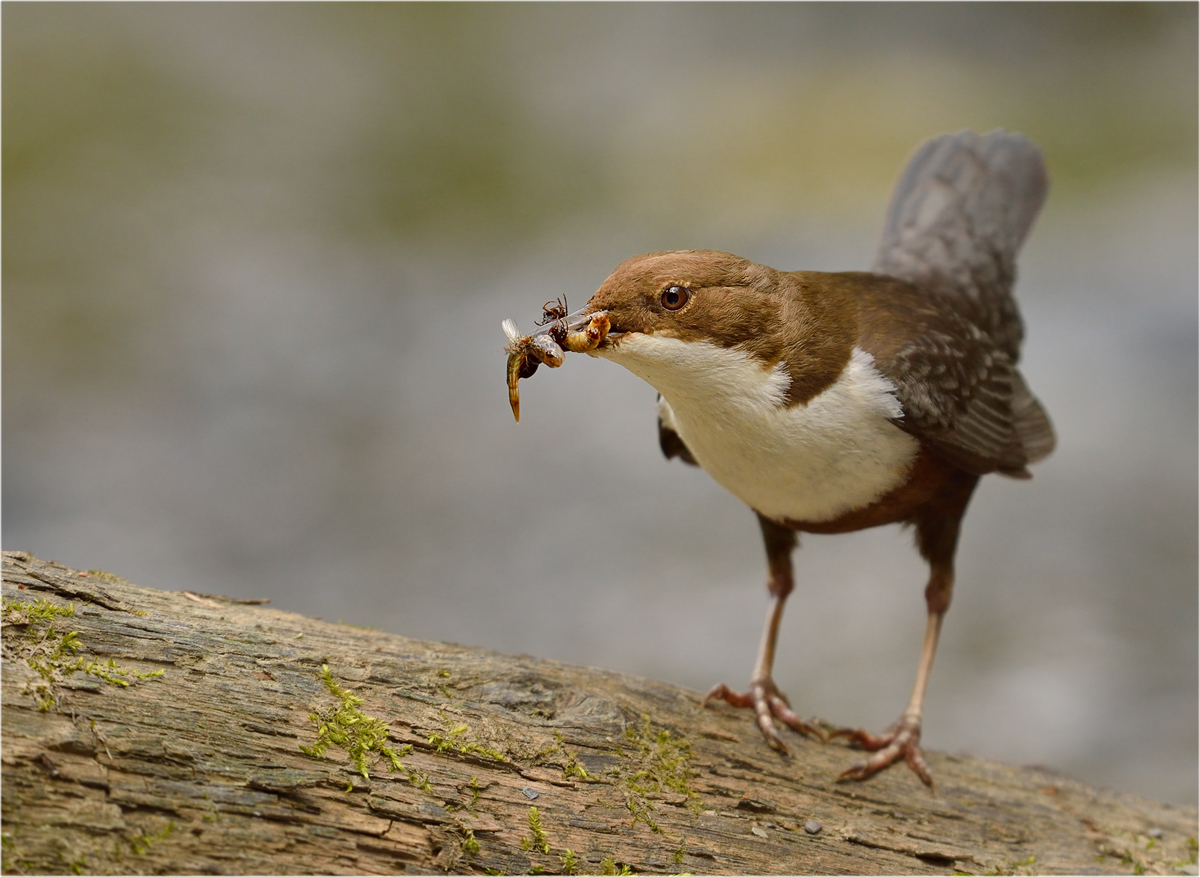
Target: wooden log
column 244, row 756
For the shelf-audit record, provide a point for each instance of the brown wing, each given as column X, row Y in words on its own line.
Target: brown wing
column 958, row 217
column 957, row 391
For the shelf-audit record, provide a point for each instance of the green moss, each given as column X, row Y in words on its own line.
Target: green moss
column 469, row 844
column 659, row 762
column 569, row 862
column 538, row 835
column 111, row 673
column 51, row 654
column 142, row 843
column 8, row 851
column 353, row 731
column 640, row 809
column 1014, row 866
column 458, row 739
column 667, row 760
column 475, row 790
column 38, row 612
column 572, row 767
column 537, row 839
column 615, row 869
column 78, row 865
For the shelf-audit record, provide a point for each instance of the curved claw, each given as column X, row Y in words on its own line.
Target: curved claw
column 865, row 739
column 902, row 740
column 768, row 703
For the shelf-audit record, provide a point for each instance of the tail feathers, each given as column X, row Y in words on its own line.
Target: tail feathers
column 960, row 213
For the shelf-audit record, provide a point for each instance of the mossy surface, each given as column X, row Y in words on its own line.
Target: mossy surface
column 142, row 843
column 350, row 729
column 572, row 768
column 468, row 844
column 615, row 869
column 537, row 835
column 53, row 653
column 459, row 739
column 217, row 752
column 657, row 762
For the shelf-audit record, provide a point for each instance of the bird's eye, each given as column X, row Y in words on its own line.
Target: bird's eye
column 675, row 297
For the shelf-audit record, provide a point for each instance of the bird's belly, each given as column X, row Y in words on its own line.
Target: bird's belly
column 839, row 452
column 790, row 467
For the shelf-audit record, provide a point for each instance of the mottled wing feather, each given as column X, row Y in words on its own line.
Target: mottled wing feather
column 956, row 390
column 959, row 215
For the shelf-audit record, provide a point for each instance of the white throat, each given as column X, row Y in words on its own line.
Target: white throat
column 809, row 462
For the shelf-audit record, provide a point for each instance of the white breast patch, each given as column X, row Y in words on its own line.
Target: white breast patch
column 809, row 462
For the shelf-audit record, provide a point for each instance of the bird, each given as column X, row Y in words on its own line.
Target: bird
column 831, row 402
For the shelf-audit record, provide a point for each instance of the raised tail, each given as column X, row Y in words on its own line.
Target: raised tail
column 958, row 217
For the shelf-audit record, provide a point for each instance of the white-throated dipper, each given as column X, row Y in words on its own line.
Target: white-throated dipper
column 833, row 402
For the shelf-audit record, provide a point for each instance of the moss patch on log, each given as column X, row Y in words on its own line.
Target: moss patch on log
column 51, row 653
column 350, row 729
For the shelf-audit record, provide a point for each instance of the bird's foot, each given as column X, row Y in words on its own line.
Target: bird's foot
column 901, row 740
column 769, row 704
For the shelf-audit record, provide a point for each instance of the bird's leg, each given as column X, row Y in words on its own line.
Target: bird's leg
column 903, row 738
column 937, row 538
column 766, row 700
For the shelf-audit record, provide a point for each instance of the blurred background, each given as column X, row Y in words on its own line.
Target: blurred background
column 256, row 259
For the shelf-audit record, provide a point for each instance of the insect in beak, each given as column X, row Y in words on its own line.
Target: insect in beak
column 576, row 332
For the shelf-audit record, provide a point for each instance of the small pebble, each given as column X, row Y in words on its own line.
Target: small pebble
column 812, row 826
column 754, row 829
column 1155, row 833
column 529, row 793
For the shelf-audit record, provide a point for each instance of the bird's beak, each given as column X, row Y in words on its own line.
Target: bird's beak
column 588, row 329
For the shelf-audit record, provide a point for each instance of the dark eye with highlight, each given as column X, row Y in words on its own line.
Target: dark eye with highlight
column 675, row 297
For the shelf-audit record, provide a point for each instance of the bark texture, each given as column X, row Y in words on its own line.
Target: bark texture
column 201, row 770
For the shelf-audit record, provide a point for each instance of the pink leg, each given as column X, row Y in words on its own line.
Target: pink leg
column 766, row 700
column 903, row 738
column 937, row 538
column 764, row 697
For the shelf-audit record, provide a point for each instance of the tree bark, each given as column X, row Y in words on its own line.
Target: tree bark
column 201, row 769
